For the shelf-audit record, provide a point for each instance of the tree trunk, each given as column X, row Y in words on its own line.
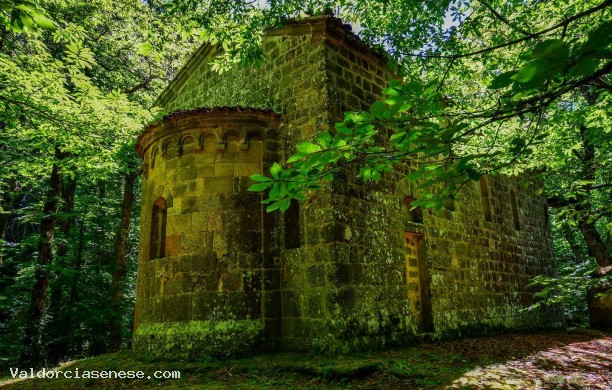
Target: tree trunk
column 5, row 214
column 57, row 347
column 595, row 244
column 31, row 353
column 600, row 309
column 76, row 347
column 121, row 255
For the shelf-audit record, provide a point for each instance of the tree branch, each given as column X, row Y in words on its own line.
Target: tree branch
column 564, row 23
column 503, row 19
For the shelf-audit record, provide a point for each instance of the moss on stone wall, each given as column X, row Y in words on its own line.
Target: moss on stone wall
column 197, row 339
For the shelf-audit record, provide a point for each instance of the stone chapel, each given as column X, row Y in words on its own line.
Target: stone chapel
column 351, row 268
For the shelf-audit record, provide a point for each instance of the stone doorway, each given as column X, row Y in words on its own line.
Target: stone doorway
column 417, row 281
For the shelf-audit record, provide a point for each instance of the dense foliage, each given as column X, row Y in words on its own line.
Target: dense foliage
column 76, row 82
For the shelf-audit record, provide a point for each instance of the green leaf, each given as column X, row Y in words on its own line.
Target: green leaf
column 527, row 72
column 284, row 204
column 378, row 109
column 307, row 148
column 259, row 186
column 463, row 162
column 26, row 20
column 295, row 157
column 275, row 170
column 258, row 177
column 472, row 174
column 144, row 49
column 324, row 139
column 273, row 206
column 551, row 49
column 42, row 21
column 584, row 67
column 503, row 80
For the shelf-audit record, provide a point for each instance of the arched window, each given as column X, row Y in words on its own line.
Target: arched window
column 485, row 199
column 158, row 229
column 411, row 214
column 514, row 206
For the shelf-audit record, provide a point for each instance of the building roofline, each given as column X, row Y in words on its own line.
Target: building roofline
column 321, row 24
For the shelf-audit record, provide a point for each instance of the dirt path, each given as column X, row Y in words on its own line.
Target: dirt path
column 554, row 363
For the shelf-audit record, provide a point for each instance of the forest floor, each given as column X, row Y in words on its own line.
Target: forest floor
column 547, row 360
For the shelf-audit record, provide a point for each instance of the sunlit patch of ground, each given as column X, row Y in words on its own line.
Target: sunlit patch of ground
column 545, row 360
column 579, row 365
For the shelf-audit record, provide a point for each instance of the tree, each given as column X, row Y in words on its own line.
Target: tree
column 76, row 83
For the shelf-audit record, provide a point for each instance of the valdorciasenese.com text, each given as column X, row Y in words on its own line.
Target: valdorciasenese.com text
column 30, row 373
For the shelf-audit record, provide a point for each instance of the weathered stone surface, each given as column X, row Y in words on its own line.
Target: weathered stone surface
column 348, row 269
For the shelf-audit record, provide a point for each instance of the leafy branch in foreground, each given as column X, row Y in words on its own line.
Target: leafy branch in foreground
column 442, row 142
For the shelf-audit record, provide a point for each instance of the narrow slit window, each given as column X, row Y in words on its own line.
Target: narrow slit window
column 515, row 215
column 158, row 229
column 449, row 204
column 292, row 225
column 485, row 199
column 411, row 214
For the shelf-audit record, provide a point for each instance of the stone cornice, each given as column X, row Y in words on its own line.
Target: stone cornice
column 224, row 118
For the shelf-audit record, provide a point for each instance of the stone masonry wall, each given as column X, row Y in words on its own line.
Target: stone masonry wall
column 481, row 269
column 206, row 294
column 365, row 301
column 351, row 281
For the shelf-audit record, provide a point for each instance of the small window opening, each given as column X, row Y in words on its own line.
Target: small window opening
column 409, row 213
column 485, row 199
column 449, row 204
column 514, row 206
column 158, row 229
column 292, row 225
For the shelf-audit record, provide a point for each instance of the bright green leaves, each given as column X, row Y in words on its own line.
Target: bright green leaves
column 598, row 42
column 379, row 110
column 24, row 15
column 556, row 61
column 262, row 183
column 79, row 55
column 275, row 171
column 305, row 148
column 550, row 60
column 411, row 117
column 145, row 48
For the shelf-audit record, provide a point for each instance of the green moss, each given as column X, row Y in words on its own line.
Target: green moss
column 195, row 339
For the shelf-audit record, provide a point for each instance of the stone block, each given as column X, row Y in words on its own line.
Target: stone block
column 208, row 305
column 206, row 170
column 221, row 242
column 291, row 304
column 246, row 169
column 218, row 185
column 199, row 221
column 177, row 308
column 188, row 173
column 215, row 221
column 192, row 243
column 224, row 169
